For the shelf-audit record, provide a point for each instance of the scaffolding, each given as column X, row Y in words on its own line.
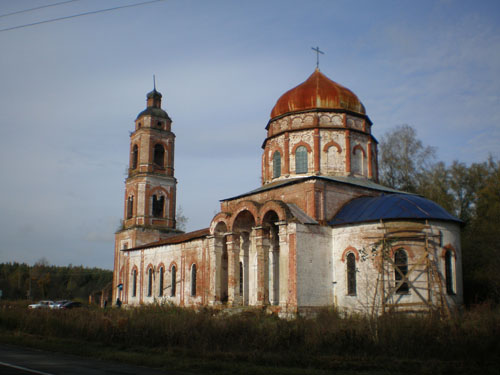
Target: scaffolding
column 420, row 276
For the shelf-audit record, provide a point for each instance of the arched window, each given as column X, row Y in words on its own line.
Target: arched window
column 401, row 271
column 135, row 156
column 158, row 204
column 448, row 268
column 276, row 164
column 241, row 278
column 358, row 161
column 333, row 159
column 150, row 282
column 134, row 283
column 193, row 280
column 173, row 272
column 130, row 205
column 301, row 160
column 159, row 155
column 160, row 283
column 351, row 274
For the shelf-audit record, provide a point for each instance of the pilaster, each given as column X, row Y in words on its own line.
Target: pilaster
column 233, row 252
column 316, row 150
column 262, row 248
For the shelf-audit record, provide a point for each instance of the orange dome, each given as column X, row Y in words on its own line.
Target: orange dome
column 317, row 92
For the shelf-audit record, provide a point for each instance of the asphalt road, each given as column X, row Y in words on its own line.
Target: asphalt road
column 17, row 360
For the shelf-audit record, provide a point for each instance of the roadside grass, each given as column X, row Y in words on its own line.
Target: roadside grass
column 209, row 341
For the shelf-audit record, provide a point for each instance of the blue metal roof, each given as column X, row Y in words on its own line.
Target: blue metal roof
column 390, row 207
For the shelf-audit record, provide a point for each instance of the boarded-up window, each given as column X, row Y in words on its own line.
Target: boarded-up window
column 358, row 161
column 333, row 160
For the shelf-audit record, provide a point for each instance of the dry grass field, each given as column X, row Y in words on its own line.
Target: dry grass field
column 211, row 341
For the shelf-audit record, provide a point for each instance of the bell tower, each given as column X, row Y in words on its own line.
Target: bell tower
column 150, row 186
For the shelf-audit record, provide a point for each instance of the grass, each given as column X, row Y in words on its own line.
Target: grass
column 253, row 342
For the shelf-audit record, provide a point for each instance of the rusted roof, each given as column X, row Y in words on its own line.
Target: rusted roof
column 360, row 182
column 317, row 92
column 174, row 239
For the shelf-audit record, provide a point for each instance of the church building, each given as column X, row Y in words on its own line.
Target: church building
column 320, row 230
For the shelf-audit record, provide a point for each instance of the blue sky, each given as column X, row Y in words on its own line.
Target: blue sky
column 70, row 91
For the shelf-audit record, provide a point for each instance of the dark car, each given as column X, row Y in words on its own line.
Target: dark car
column 71, row 305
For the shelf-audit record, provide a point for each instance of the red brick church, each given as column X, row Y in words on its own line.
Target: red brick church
column 319, row 231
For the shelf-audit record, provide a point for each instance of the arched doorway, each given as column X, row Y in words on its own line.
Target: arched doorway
column 245, row 282
column 222, row 264
column 271, row 239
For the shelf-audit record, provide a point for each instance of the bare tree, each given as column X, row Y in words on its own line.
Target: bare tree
column 404, row 158
column 180, row 219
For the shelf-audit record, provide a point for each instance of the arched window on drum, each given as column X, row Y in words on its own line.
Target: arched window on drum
column 276, row 164
column 301, row 160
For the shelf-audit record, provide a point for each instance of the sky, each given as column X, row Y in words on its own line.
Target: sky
column 71, row 89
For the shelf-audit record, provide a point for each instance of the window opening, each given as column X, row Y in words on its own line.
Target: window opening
column 135, row 156
column 130, row 205
column 351, row 274
column 276, row 164
column 193, row 280
column 159, row 154
column 301, row 160
column 241, row 278
column 172, row 289
column 158, row 204
column 134, row 283
column 160, row 284
column 448, row 266
column 401, row 263
column 150, row 282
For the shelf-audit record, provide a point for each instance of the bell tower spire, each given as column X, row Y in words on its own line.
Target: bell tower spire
column 150, row 186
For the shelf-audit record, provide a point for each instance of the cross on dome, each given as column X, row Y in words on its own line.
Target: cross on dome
column 318, row 51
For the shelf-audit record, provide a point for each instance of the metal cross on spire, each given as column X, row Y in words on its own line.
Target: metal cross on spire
column 154, row 82
column 317, row 55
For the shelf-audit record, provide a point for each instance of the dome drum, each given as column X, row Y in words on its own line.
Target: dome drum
column 322, row 119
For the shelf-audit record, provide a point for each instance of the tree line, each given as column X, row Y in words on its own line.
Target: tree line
column 44, row 281
column 470, row 192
